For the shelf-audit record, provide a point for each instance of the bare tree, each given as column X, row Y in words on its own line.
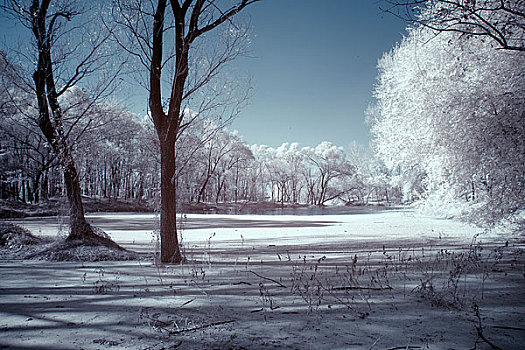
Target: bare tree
column 501, row 20
column 63, row 60
column 167, row 44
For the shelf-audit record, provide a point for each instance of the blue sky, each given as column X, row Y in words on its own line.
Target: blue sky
column 314, row 69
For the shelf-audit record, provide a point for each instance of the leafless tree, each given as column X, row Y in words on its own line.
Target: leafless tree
column 67, row 53
column 501, row 20
column 165, row 43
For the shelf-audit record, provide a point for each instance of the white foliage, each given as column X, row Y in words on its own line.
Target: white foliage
column 451, row 112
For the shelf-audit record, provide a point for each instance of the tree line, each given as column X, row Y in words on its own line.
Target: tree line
column 117, row 159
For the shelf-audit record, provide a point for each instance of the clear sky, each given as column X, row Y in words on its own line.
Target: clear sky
column 314, row 69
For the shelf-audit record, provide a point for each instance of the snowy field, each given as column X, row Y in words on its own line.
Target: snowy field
column 388, row 280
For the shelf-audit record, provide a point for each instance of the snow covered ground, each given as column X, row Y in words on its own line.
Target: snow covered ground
column 389, row 280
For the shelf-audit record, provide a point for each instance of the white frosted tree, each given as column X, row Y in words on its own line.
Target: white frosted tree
column 450, row 109
column 372, row 180
column 330, row 165
column 285, row 167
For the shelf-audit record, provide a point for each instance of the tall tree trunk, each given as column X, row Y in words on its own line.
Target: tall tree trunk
column 200, row 196
column 170, row 252
column 23, row 188
column 44, row 186
column 36, row 187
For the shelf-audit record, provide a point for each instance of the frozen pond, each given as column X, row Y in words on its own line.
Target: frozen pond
column 131, row 222
column 268, row 229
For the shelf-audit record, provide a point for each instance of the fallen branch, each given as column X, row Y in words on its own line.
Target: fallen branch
column 511, row 328
column 374, row 343
column 242, row 282
column 262, row 309
column 186, row 303
column 178, row 331
column 269, row 279
column 482, row 337
column 479, row 329
column 361, row 288
column 348, row 305
column 157, row 323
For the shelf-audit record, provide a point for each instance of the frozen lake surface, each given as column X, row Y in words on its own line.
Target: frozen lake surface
column 269, row 229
